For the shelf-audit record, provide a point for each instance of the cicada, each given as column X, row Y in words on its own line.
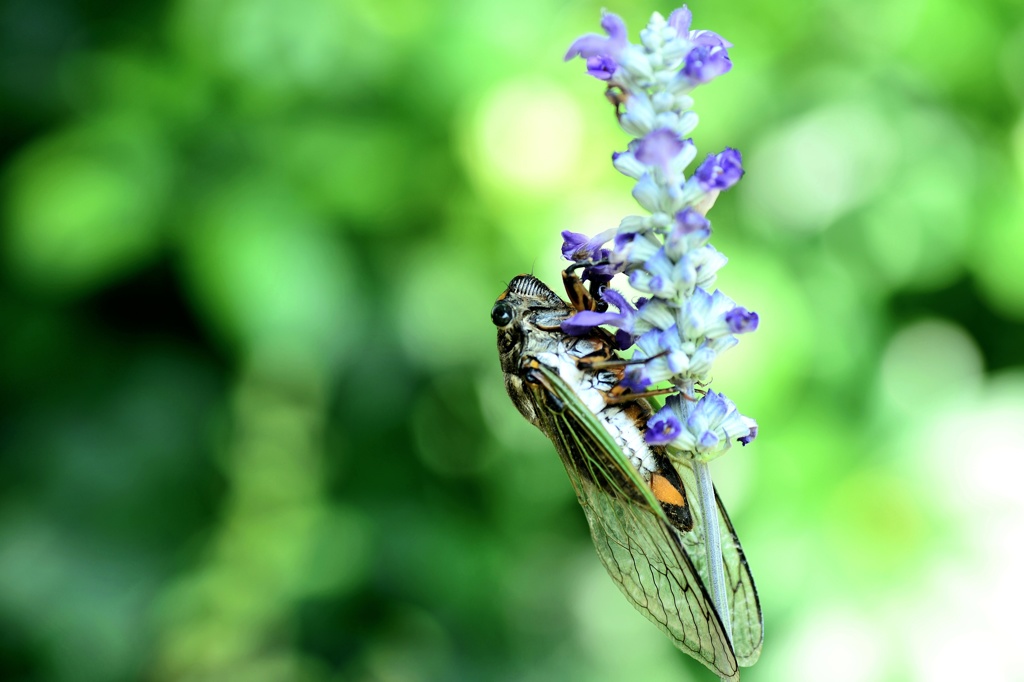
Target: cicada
column 636, row 499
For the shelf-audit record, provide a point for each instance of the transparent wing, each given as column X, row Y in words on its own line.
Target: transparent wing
column 643, row 553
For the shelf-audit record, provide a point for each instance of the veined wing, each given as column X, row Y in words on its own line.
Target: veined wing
column 635, row 539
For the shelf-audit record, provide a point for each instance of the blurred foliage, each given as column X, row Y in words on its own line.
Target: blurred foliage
column 251, row 419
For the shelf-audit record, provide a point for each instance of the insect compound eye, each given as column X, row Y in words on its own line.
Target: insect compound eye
column 501, row 314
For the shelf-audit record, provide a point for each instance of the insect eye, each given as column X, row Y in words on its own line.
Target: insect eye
column 501, row 314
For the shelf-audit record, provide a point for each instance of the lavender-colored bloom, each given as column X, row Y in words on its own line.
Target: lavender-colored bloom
column 690, row 230
column 681, row 19
column 682, row 328
column 741, row 320
column 663, row 427
column 664, row 278
column 601, row 67
column 600, row 275
column 639, row 116
column 635, row 379
column 702, row 360
column 713, row 316
column 632, row 249
column 582, row 322
column 658, row 148
column 593, row 45
column 662, row 358
column 689, row 221
column 709, row 428
column 623, row 339
column 708, row 38
column 572, row 243
column 707, row 440
column 705, row 63
column 720, row 171
column 706, row 261
column 627, row 163
column 655, row 313
column 636, row 224
column 579, row 247
column 647, row 193
column 623, row 243
column 703, row 315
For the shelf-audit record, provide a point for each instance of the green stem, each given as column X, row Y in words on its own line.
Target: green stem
column 713, row 543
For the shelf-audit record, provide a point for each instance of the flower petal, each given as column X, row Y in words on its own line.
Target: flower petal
column 680, row 20
column 720, row 171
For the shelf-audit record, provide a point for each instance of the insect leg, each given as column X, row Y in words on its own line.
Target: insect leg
column 532, row 375
column 614, row 397
column 579, row 297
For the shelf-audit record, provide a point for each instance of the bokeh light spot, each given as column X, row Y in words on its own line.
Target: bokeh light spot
column 840, row 645
column 525, row 137
column 918, row 231
column 999, row 241
column 85, row 206
column 272, row 51
column 266, row 273
column 929, row 363
column 816, row 168
column 443, row 309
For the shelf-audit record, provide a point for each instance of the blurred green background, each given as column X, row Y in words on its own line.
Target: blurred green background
column 251, row 418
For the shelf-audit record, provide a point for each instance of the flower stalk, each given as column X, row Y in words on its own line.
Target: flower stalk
column 682, row 323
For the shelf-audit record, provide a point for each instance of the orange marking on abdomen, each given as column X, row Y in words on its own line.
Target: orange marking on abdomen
column 666, row 492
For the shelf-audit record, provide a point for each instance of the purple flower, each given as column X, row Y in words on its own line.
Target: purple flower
column 720, row 171
column 706, row 261
column 573, row 243
column 714, row 423
column 632, row 249
column 663, row 427
column 709, row 38
column 627, row 163
column 741, row 320
column 690, row 230
column 623, row 339
column 689, row 221
column 708, row 427
column 664, row 277
column 600, row 275
column 704, row 63
column 681, row 19
column 660, row 357
column 579, row 247
column 593, row 45
column 659, row 147
column 684, row 325
column 585, row 320
column 601, row 67
column 635, row 379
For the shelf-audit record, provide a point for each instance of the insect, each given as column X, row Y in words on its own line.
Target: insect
column 636, row 500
